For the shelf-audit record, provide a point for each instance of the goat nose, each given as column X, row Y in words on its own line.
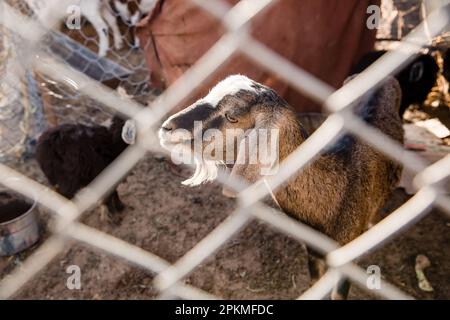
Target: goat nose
column 167, row 127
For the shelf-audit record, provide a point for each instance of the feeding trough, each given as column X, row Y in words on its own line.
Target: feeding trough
column 19, row 228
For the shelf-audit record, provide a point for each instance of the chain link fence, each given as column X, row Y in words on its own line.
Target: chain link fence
column 56, row 68
column 49, row 103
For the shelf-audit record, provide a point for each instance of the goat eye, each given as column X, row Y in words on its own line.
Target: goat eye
column 230, row 118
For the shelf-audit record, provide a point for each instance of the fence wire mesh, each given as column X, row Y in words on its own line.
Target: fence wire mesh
column 49, row 53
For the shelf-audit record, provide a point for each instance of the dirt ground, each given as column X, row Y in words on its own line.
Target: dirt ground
column 168, row 219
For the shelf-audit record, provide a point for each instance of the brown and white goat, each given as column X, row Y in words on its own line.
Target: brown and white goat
column 337, row 194
column 131, row 12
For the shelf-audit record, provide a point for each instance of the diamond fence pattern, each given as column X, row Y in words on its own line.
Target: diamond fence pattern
column 169, row 277
column 125, row 67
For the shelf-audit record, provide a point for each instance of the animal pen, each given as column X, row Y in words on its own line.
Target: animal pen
column 52, row 77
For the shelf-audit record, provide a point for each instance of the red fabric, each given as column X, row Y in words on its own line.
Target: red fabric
column 325, row 37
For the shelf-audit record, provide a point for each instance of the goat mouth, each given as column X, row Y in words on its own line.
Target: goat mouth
column 169, row 140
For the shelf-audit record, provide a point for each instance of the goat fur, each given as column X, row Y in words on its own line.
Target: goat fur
column 338, row 193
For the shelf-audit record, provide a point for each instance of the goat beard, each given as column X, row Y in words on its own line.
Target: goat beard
column 205, row 171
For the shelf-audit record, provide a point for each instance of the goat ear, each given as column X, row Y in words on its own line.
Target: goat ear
column 129, row 132
column 258, row 156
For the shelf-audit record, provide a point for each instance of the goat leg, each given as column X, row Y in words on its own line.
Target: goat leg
column 317, row 268
column 104, row 213
column 340, row 291
column 91, row 11
column 118, row 204
column 316, row 265
column 112, row 23
column 114, row 206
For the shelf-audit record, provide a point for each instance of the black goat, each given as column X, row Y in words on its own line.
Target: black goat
column 72, row 155
column 446, row 71
column 416, row 79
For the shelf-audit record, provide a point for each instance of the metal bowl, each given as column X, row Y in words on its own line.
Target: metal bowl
column 19, row 230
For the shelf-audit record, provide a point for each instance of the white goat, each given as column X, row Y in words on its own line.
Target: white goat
column 131, row 11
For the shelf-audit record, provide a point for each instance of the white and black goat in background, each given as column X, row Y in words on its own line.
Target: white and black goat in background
column 338, row 194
